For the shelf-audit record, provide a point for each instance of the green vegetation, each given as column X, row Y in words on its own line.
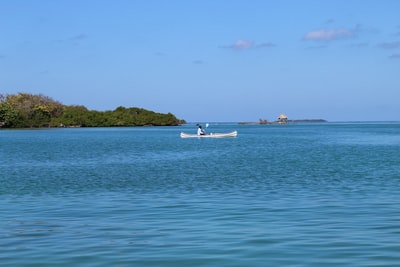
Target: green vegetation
column 33, row 111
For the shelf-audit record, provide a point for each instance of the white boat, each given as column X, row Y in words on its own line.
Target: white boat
column 211, row 135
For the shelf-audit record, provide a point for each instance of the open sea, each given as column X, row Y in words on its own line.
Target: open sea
column 317, row 194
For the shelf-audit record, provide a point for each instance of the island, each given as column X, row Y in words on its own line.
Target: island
column 24, row 110
column 283, row 119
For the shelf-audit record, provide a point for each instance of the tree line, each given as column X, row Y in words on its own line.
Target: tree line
column 25, row 110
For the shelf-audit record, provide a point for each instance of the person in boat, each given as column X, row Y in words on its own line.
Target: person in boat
column 200, row 130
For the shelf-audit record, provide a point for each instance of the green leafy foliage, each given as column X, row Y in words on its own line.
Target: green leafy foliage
column 27, row 110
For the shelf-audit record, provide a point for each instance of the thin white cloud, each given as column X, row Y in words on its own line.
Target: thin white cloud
column 242, row 44
column 329, row 34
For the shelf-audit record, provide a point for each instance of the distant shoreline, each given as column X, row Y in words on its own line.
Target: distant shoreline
column 288, row 121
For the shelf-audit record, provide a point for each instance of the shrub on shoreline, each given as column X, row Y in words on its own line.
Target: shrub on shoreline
column 25, row 110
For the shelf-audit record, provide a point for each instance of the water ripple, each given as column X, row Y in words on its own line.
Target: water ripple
column 301, row 195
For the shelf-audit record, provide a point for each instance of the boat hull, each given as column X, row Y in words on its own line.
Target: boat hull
column 211, row 135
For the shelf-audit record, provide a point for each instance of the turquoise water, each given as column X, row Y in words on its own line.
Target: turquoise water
column 277, row 195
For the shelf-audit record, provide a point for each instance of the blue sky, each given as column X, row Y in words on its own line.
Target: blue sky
column 209, row 60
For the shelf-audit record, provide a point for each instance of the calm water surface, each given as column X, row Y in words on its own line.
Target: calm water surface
column 292, row 195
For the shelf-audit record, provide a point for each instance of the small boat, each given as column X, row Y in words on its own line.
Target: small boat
column 211, row 135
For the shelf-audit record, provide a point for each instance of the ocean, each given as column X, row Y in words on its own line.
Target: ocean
column 305, row 194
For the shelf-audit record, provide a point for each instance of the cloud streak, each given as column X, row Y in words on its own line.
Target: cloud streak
column 329, row 34
column 74, row 39
column 265, row 45
column 198, row 62
column 390, row 45
column 395, row 56
column 78, row 37
column 242, row 44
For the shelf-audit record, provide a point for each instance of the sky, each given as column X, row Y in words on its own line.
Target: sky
column 208, row 60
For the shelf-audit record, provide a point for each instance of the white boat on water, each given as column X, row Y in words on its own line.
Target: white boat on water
column 211, row 135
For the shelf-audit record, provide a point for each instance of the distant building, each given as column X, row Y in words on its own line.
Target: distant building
column 282, row 119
